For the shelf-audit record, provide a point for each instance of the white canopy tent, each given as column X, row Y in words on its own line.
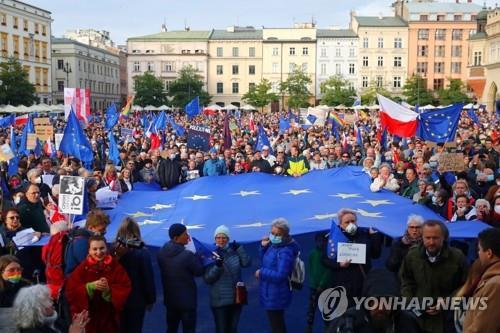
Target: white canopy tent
column 230, row 107
column 248, row 107
column 137, row 108
column 164, row 108
column 57, row 108
column 151, row 108
column 213, row 107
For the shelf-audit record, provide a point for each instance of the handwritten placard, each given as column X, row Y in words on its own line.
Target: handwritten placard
column 451, row 162
column 31, row 142
column 43, row 129
column 353, row 252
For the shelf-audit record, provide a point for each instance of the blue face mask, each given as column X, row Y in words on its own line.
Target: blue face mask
column 490, row 178
column 275, row 239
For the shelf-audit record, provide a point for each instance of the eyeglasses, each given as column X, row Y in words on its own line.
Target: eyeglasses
column 17, row 217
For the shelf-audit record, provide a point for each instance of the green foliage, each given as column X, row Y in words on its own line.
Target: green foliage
column 149, row 90
column 454, row 93
column 260, row 95
column 186, row 87
column 336, row 91
column 15, row 88
column 295, row 87
column 369, row 97
column 416, row 92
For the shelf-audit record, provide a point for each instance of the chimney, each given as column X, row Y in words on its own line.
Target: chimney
column 164, row 27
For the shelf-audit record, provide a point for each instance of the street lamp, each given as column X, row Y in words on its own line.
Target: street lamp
column 67, row 69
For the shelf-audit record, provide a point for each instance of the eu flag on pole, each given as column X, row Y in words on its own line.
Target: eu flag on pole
column 28, row 129
column 111, row 117
column 440, row 125
column 114, row 155
column 284, row 125
column 160, row 122
column 472, row 115
column 335, row 131
column 203, row 252
column 262, row 140
column 359, row 137
column 198, row 138
column 193, row 108
column 7, row 121
column 75, row 142
column 334, row 238
column 312, row 118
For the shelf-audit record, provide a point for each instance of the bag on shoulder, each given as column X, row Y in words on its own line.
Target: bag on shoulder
column 298, row 273
column 53, row 257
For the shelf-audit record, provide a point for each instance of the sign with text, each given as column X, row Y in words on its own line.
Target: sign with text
column 31, row 141
column 43, row 129
column 6, row 153
column 451, row 162
column 353, row 252
column 71, row 195
column 126, row 132
column 198, row 138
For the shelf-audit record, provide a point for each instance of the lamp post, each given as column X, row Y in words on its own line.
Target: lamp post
column 67, row 69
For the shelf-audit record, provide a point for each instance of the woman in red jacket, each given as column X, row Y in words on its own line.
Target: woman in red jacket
column 99, row 285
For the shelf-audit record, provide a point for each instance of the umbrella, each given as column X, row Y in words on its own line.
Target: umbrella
column 428, row 106
column 213, row 107
column 59, row 108
column 151, row 108
column 248, row 107
column 230, row 107
column 8, row 109
column 22, row 109
column 164, row 108
column 373, row 107
column 137, row 108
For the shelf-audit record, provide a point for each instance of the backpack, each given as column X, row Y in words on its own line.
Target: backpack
column 298, row 274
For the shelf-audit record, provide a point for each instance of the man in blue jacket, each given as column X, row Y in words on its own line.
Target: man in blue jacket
column 214, row 166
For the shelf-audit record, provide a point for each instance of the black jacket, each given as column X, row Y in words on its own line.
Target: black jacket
column 169, row 173
column 178, row 268
column 396, row 256
column 9, row 292
column 262, row 164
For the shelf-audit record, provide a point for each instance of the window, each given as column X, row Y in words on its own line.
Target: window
column 36, row 28
column 167, row 84
column 323, row 69
column 439, row 51
column 292, row 51
column 438, row 67
column 456, row 51
column 423, row 34
column 398, row 43
column 351, row 69
column 220, row 87
column 440, row 18
column 338, row 52
column 275, row 67
column 422, row 67
column 477, row 58
column 380, row 61
column 251, row 69
column 456, row 34
column 352, row 52
column 396, row 82
column 150, row 67
column 380, row 43
column 422, row 50
column 236, row 70
column 236, row 52
column 305, row 51
column 397, row 61
column 364, row 82
column 220, row 70
column 60, row 64
column 424, row 18
column 380, row 81
column 169, row 67
column 236, row 87
column 251, row 52
column 365, row 61
column 137, row 66
column 457, row 17
column 60, row 86
column 438, row 84
column 251, row 86
column 15, row 22
column 276, row 51
column 291, row 67
column 44, row 30
column 440, row 34
column 365, row 42
column 338, row 69
column 323, row 52
column 456, row 67
column 220, row 52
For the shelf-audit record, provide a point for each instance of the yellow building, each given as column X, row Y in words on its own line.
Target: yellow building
column 25, row 35
column 285, row 49
column 382, row 52
column 234, row 63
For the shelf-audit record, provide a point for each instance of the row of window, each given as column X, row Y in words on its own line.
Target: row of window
column 439, row 50
column 338, row 52
column 441, row 18
column 95, row 86
column 397, row 43
column 235, row 87
column 398, row 62
column 31, row 47
column 440, row 34
column 168, row 66
column 291, row 51
column 235, row 69
column 379, row 81
column 439, row 67
column 236, row 52
column 91, row 68
column 38, row 28
column 338, row 69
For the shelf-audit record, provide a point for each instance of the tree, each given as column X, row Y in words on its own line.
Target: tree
column 260, row 95
column 369, row 96
column 416, row 92
column 295, row 87
column 454, row 93
column 186, row 87
column 149, row 90
column 336, row 90
column 15, row 88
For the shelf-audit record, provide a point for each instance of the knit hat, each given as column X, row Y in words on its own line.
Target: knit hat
column 176, row 230
column 222, row 229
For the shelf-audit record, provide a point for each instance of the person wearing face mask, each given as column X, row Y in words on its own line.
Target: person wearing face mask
column 278, row 253
column 169, row 171
column 35, row 177
column 464, row 211
column 351, row 276
column 214, row 166
column 484, row 212
column 222, row 276
column 496, row 209
column 11, row 280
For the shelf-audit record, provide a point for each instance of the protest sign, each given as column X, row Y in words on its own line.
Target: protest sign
column 6, row 153
column 71, row 195
column 451, row 162
column 31, row 142
column 58, row 138
column 43, row 129
column 198, row 138
column 353, row 252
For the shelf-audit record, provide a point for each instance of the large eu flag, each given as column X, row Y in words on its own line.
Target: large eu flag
column 440, row 125
column 111, row 117
column 75, row 142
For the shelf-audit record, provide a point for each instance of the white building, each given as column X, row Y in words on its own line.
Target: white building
column 92, row 37
column 76, row 65
column 25, row 35
column 336, row 55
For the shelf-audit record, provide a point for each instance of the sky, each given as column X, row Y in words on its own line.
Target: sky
column 130, row 18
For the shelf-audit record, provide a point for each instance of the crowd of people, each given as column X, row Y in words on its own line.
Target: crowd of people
column 109, row 287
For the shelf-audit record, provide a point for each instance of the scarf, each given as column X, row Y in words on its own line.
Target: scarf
column 407, row 240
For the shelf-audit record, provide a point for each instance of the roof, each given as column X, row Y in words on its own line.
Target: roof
column 479, row 35
column 339, row 33
column 482, row 15
column 244, row 34
column 176, row 35
column 376, row 21
column 55, row 40
column 443, row 7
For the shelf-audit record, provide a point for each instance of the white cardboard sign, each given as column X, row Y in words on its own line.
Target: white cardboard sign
column 354, row 252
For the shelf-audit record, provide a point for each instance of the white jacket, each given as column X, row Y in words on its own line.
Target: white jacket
column 391, row 184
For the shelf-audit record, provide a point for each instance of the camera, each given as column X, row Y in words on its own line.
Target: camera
column 133, row 243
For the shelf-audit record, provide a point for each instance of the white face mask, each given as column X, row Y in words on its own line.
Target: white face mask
column 38, row 180
column 50, row 320
column 351, row 229
column 497, row 209
column 17, row 200
column 172, row 156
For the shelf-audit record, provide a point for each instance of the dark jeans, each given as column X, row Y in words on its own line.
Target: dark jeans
column 313, row 305
column 277, row 320
column 132, row 320
column 227, row 318
column 176, row 316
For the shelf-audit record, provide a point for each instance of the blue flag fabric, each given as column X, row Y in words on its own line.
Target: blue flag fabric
column 38, row 148
column 12, row 167
column 262, row 140
column 13, row 144
column 144, row 121
column 312, row 118
column 497, row 104
column 440, row 125
column 357, row 101
column 29, row 128
column 204, row 252
column 75, row 142
column 111, row 117
column 193, row 108
column 114, row 154
column 160, row 122
column 335, row 131
column 335, row 237
column 284, row 125
column 359, row 137
column 309, row 203
column 7, row 121
column 179, row 130
column 198, row 138
column 472, row 115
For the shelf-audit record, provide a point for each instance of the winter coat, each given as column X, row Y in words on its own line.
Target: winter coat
column 396, row 256
column 470, row 214
column 77, row 249
column 391, row 184
column 9, row 292
column 421, row 278
column 178, row 268
column 32, row 216
column 222, row 280
column 486, row 320
column 262, row 164
column 277, row 266
column 169, row 173
column 297, row 165
column 214, row 167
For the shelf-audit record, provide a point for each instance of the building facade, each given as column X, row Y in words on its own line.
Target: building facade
column 92, row 37
column 25, row 35
column 164, row 54
column 383, row 52
column 234, row 63
column 438, row 38
column 285, row 49
column 77, row 65
column 337, row 55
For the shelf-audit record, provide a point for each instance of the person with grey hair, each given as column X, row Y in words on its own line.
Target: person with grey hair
column 278, row 253
column 401, row 246
column 35, row 177
column 34, row 312
column 483, row 211
column 385, row 180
